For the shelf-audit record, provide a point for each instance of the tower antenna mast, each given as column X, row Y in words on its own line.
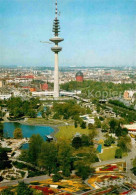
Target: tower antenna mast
column 56, row 10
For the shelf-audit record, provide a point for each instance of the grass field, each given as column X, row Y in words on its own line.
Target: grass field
column 108, row 153
column 67, row 132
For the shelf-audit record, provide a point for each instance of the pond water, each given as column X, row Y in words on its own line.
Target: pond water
column 27, row 130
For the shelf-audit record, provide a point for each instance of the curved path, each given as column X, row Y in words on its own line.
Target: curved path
column 25, row 163
column 27, row 180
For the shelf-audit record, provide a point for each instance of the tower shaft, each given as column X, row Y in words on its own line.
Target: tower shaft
column 56, row 76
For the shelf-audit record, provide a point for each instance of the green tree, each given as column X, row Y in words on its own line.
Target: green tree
column 23, row 189
column 110, row 140
column 7, row 191
column 118, row 131
column 17, row 112
column 92, row 134
column 75, row 123
column 105, row 126
column 43, row 114
column 19, row 108
column 85, row 140
column 88, row 110
column 77, row 142
column 98, row 108
column 124, row 131
column 24, row 156
column 97, row 122
column 124, row 143
column 84, row 171
column 56, row 116
column 68, row 109
column 4, row 160
column 107, row 143
column 118, row 153
column 83, row 125
column 1, row 115
column 47, row 112
column 35, row 147
column 57, row 177
column 113, row 124
column 65, row 158
column 18, row 133
column 90, row 126
column 48, row 157
column 101, row 118
column 32, row 113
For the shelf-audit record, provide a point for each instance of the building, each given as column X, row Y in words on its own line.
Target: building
column 1, row 83
column 5, row 97
column 128, row 95
column 44, row 87
column 79, row 76
column 32, row 89
column 88, row 119
column 131, row 128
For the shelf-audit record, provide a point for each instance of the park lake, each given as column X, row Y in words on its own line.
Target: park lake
column 27, row 130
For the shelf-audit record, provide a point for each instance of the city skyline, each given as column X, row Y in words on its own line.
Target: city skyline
column 101, row 32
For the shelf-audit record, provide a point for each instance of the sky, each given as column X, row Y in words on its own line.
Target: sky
column 95, row 32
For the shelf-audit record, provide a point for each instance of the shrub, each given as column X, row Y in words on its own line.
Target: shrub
column 23, row 189
column 7, row 192
column 110, row 140
column 77, row 142
column 83, row 125
column 35, row 173
column 57, row 177
column 84, row 171
column 18, row 133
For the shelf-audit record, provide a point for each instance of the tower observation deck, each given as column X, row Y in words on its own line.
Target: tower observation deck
column 56, row 49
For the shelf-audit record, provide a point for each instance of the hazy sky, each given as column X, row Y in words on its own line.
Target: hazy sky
column 95, row 32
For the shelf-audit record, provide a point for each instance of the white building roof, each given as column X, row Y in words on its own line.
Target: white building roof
column 131, row 127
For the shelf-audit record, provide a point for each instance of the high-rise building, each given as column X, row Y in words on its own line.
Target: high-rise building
column 56, row 49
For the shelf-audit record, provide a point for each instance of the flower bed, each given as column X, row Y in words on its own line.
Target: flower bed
column 71, row 186
column 107, row 177
column 45, row 190
column 109, row 168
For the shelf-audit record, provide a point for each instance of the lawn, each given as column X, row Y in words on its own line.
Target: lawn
column 108, row 153
column 67, row 132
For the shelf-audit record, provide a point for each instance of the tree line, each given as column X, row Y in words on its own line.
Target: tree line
column 88, row 86
column 19, row 108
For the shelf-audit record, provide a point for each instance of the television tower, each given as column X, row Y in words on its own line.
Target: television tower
column 56, row 49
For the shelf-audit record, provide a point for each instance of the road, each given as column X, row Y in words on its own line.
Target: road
column 27, row 180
